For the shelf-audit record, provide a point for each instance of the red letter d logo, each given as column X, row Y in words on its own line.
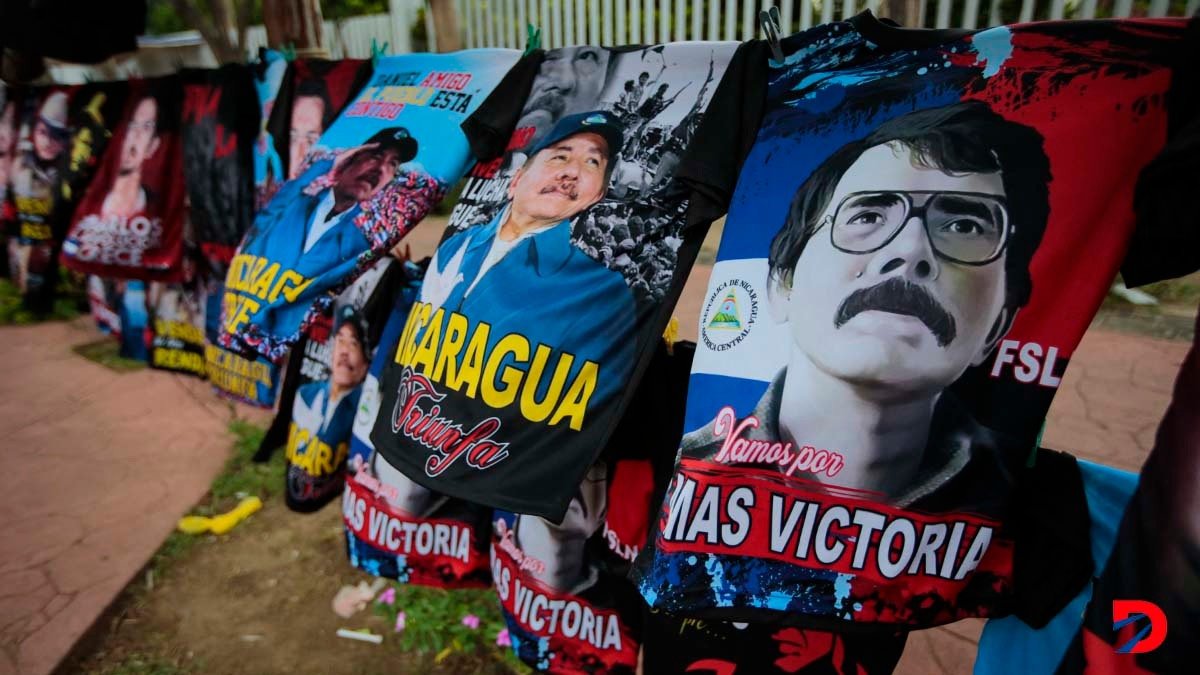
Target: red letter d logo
column 1146, row 638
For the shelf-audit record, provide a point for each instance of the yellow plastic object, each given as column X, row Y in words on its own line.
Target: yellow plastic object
column 671, row 335
column 222, row 523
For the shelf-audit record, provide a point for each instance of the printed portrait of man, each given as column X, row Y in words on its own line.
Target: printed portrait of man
column 520, row 271
column 312, row 219
column 570, row 81
column 35, row 173
column 561, row 547
column 902, row 262
column 128, row 195
column 311, row 113
column 323, row 412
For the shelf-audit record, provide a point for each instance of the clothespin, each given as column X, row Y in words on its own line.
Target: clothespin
column 770, row 25
column 671, row 335
column 1032, row 459
column 533, row 39
column 289, row 51
column 377, row 51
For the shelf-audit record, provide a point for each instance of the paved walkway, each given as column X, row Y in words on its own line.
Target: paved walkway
column 98, row 466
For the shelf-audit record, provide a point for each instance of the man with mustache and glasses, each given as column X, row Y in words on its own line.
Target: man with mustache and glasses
column 903, row 261
column 520, row 272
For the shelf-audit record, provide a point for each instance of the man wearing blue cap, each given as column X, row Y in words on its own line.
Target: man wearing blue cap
column 521, row 273
column 308, row 228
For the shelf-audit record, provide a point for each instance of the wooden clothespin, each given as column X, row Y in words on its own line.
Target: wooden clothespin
column 770, row 25
column 671, row 335
column 533, row 39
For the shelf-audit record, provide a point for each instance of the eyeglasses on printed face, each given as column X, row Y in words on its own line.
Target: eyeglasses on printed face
column 970, row 228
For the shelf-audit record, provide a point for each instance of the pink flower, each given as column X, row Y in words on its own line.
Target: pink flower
column 502, row 639
column 471, row 621
column 400, row 622
column 387, row 597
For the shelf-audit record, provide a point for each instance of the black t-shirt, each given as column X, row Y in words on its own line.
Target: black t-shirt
column 541, row 307
column 921, row 226
column 563, row 587
column 221, row 117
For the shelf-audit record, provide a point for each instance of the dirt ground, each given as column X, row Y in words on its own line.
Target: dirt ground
column 258, row 599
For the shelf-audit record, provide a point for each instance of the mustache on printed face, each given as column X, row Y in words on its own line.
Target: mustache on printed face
column 550, row 100
column 569, row 190
column 898, row 296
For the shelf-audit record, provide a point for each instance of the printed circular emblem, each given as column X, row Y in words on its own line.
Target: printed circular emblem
column 731, row 310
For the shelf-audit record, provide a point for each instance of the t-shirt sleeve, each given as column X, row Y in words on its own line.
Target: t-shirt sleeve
column 1166, row 241
column 489, row 128
column 713, row 160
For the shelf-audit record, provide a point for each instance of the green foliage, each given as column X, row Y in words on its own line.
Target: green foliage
column 144, row 664
column 434, row 623
column 107, row 352
column 335, row 10
column 243, row 476
column 13, row 311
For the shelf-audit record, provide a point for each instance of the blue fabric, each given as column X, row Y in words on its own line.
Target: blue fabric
column 1008, row 645
column 552, row 293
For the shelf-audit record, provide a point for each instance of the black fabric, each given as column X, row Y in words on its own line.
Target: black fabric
column 1052, row 560
column 221, row 116
column 490, row 127
column 711, row 165
column 81, row 31
column 1166, row 243
column 676, row 645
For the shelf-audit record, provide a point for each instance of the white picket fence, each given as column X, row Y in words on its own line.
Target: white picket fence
column 501, row 23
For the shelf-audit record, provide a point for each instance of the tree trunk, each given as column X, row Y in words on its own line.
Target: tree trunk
column 907, row 13
column 217, row 30
column 445, row 26
column 295, row 22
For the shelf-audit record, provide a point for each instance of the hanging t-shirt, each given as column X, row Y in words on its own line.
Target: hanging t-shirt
column 104, row 297
column 134, row 318
column 920, row 234
column 253, row 380
column 523, row 357
column 42, row 146
column 313, row 94
column 268, row 166
column 220, row 119
column 177, row 322
column 379, row 169
column 50, row 174
column 563, row 588
column 394, row 527
column 334, row 355
column 129, row 223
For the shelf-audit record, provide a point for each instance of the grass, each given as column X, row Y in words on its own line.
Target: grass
column 67, row 302
column 107, row 352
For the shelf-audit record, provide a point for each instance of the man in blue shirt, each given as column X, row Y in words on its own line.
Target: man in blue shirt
column 309, row 230
column 521, row 273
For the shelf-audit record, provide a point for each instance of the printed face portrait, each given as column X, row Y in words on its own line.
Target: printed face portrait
column 48, row 142
column 875, row 298
column 308, row 113
column 561, row 180
column 141, row 137
column 366, row 173
column 349, row 362
column 562, row 547
column 570, row 81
